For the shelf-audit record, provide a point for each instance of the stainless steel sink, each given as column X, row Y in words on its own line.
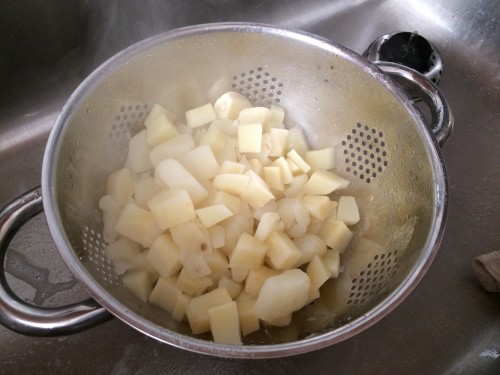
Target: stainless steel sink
column 448, row 325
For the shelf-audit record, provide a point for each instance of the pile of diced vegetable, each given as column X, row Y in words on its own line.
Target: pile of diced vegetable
column 226, row 221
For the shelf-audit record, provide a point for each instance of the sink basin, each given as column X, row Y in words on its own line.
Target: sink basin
column 448, row 325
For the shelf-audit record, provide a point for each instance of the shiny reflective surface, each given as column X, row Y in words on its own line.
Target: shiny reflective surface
column 448, row 325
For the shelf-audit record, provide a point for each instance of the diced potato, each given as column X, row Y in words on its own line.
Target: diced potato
column 232, row 287
column 165, row 294
column 249, row 252
column 331, row 258
column 282, row 253
column 225, row 323
column 283, row 294
column 179, row 312
column 191, row 285
column 278, row 142
column 297, row 141
column 122, row 250
column 294, row 168
column 270, row 206
column 164, row 256
column 140, row 263
column 256, row 278
column 160, row 129
column 200, row 116
column 230, row 104
column 200, row 162
column 336, row 234
column 217, row 235
column 277, row 114
column 144, row 189
column 318, row 272
column 212, row 215
column 191, row 236
column 171, row 208
column 120, row 185
column 227, row 126
column 310, row 245
column 347, row 210
column 231, row 167
column 257, row 166
column 273, row 178
column 156, row 110
column 228, row 152
column 137, row 224
column 172, row 148
column 215, row 138
column 218, row 263
column 319, row 206
column 173, row 175
column 324, row 182
column 322, row 159
column 269, row 223
column 250, row 137
column 257, row 194
column 282, row 321
column 239, row 274
column 296, row 187
column 197, row 309
column 260, row 115
column 234, row 227
column 249, row 322
column 230, row 201
column 286, row 172
column 297, row 159
column 138, row 153
column 139, row 283
column 231, row 183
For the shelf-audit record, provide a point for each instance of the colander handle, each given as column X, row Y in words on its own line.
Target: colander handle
column 442, row 118
column 25, row 318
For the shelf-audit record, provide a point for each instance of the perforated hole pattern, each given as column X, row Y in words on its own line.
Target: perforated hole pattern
column 259, row 86
column 129, row 117
column 364, row 152
column 93, row 245
column 373, row 278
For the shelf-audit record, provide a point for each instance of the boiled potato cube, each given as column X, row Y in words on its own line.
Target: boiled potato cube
column 232, row 287
column 286, row 172
column 322, row 159
column 260, row 115
column 200, row 162
column 318, row 272
column 234, row 227
column 217, row 235
column 319, row 206
column 282, row 321
column 156, row 110
column 164, row 256
column 249, row 252
column 331, row 258
column 137, row 224
column 232, row 167
column 173, row 175
column 273, row 178
column 256, row 278
column 200, row 116
column 257, row 194
column 231, row 183
column 282, row 294
column 165, row 294
column 214, row 214
column 269, row 222
column 194, row 262
column 239, row 274
column 144, row 189
column 282, row 253
column 140, row 263
column 120, row 185
column 297, row 159
column 249, row 322
column 172, row 148
column 179, row 312
column 171, row 208
column 139, row 283
column 197, row 309
column 192, row 286
column 230, row 201
column 278, row 142
column 214, row 137
column 296, row 187
column 225, row 323
column 324, row 182
column 160, row 129
column 122, row 250
column 348, row 211
column 138, row 153
column 336, row 234
column 218, row 263
column 230, row 104
column 192, row 236
column 310, row 245
column 250, row 138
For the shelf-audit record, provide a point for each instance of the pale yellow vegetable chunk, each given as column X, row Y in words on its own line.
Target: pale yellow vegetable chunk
column 250, row 138
column 200, row 162
column 232, row 287
column 138, row 153
column 197, row 309
column 217, row 235
column 249, row 322
column 273, row 178
column 215, row 138
column 256, row 278
column 192, row 286
column 249, row 252
column 269, row 222
column 252, row 115
column 318, row 272
column 230, row 104
column 195, row 263
column 191, row 236
column 144, row 189
column 231, row 183
column 156, row 110
column 286, row 172
column 336, row 234
column 212, row 215
column 278, row 142
column 137, row 224
column 282, row 253
column 173, row 175
column 179, row 312
column 165, row 294
column 141, row 264
column 257, row 193
column 309, row 245
column 160, row 129
column 139, row 283
column 283, row 294
column 171, row 208
column 348, row 211
column 319, row 206
column 120, row 185
column 322, row 159
column 172, row 148
column 277, row 114
column 200, row 116
column 225, row 323
column 297, row 159
column 164, row 256
column 331, row 258
column 231, row 167
column 122, row 250
column 324, row 182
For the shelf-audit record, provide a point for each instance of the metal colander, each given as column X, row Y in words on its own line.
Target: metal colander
column 334, row 95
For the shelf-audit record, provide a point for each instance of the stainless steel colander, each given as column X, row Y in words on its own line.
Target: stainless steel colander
column 337, row 98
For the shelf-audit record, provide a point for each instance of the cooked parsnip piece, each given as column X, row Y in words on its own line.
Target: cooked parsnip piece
column 230, row 104
column 200, row 162
column 322, row 159
column 172, row 148
column 139, row 283
column 164, row 256
column 299, row 162
column 197, row 309
column 319, row 206
column 165, row 294
column 231, row 183
column 160, row 129
column 137, row 224
column 250, row 137
column 214, row 214
column 282, row 253
column 336, row 234
column 225, row 323
column 324, row 182
column 347, row 210
column 200, row 116
column 249, row 252
column 171, row 208
column 278, row 142
column 309, row 245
